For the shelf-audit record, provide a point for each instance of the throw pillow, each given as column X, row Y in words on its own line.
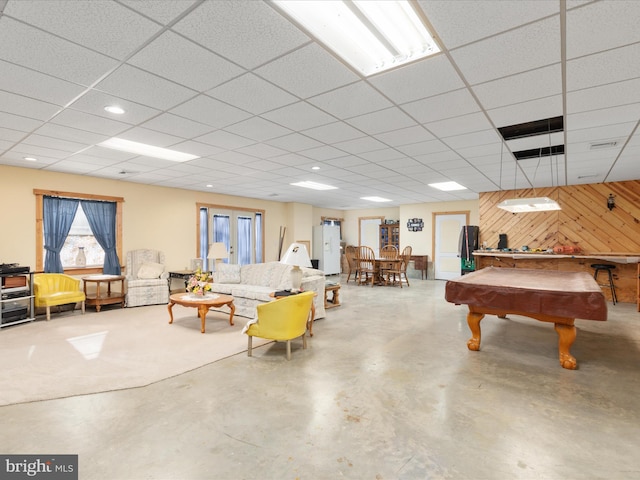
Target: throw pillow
column 227, row 273
column 150, row 270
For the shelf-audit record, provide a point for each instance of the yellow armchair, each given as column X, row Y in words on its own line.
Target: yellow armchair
column 52, row 289
column 282, row 320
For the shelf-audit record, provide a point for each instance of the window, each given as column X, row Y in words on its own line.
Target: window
column 80, row 233
column 333, row 221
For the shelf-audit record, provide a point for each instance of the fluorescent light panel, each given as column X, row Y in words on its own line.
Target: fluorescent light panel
column 525, row 205
column 314, row 185
column 375, row 199
column 146, row 150
column 371, row 36
column 447, row 186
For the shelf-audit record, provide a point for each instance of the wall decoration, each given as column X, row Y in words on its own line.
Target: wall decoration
column 415, row 224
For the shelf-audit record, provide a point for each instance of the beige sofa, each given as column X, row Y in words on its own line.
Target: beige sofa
column 251, row 285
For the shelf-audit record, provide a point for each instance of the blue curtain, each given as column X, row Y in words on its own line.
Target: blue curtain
column 204, row 233
column 258, row 238
column 58, row 215
column 102, row 220
column 244, row 241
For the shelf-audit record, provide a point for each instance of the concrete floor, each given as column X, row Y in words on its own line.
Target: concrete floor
column 386, row 390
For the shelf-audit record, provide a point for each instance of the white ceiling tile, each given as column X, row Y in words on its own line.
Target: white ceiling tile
column 226, row 140
column 605, row 116
column 351, row 100
column 261, row 150
column 360, row 145
column 38, row 152
column 307, row 72
column 106, row 27
column 618, row 18
column 136, row 85
column 163, row 12
column 325, row 152
column 614, row 94
column 71, row 134
column 300, row 116
column 602, row 68
column 423, row 148
column 26, row 107
column 17, row 122
column 182, row 61
column 382, row 121
column 404, row 136
column 46, row 53
column 334, row 132
column 90, row 123
column 258, row 129
column 538, row 83
column 56, row 143
column 527, row 111
column 8, row 134
column 38, row 86
column 178, row 126
column 93, row 102
column 473, row 122
column 447, row 105
column 252, row 93
column 514, row 51
column 464, row 21
column 607, row 133
column 427, row 77
column 472, row 139
column 294, row 142
column 245, row 32
column 196, row 148
column 210, row 111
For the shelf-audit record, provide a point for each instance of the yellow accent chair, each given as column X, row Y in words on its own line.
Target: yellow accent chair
column 282, row 320
column 55, row 289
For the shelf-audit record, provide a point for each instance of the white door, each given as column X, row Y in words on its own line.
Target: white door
column 239, row 231
column 370, row 233
column 447, row 235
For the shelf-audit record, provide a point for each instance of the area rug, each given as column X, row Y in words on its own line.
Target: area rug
column 114, row 349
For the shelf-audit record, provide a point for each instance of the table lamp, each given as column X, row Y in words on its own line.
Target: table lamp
column 297, row 256
column 218, row 251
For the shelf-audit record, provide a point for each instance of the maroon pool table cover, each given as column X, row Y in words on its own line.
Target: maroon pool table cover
column 564, row 294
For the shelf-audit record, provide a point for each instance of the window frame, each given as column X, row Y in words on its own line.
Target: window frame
column 80, row 196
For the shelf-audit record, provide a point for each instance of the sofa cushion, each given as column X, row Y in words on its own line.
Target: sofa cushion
column 150, row 270
column 227, row 273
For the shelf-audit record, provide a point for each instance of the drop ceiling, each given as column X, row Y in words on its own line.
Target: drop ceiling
column 262, row 103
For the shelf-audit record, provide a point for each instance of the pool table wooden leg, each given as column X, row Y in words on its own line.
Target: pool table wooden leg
column 566, row 337
column 473, row 320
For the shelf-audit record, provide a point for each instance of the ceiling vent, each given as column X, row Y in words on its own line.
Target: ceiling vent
column 531, row 129
column 539, row 152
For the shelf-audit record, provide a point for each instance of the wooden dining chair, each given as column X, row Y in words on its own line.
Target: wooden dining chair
column 391, row 252
column 401, row 270
column 352, row 266
column 366, row 264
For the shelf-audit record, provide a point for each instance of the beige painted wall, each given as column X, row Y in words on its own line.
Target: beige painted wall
column 165, row 218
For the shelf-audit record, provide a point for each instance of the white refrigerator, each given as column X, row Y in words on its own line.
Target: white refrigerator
column 326, row 248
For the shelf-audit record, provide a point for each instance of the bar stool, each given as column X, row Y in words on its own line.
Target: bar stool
column 605, row 268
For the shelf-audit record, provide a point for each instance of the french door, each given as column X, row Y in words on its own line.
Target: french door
column 240, row 231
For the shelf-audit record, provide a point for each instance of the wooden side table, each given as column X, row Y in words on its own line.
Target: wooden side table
column 104, row 298
column 335, row 297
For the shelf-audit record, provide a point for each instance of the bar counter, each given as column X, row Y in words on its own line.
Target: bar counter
column 626, row 274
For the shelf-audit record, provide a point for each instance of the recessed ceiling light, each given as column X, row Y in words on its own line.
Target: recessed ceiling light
column 447, row 186
column 371, row 36
column 146, row 150
column 30, row 159
column 114, row 109
column 375, row 199
column 314, row 185
column 209, row 186
column 315, row 168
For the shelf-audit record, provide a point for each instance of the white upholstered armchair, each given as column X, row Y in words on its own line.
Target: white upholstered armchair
column 147, row 278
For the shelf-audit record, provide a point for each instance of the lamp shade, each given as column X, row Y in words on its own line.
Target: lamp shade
column 218, row 250
column 296, row 255
column 523, row 205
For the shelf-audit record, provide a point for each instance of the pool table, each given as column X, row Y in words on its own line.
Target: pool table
column 548, row 296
